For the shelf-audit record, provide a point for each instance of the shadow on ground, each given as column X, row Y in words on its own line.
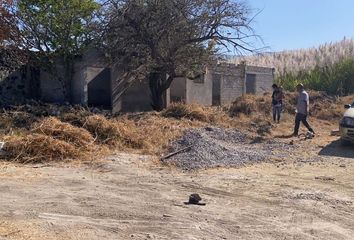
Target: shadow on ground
column 284, row 136
column 335, row 149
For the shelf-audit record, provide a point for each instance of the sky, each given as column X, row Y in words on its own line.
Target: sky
column 295, row 24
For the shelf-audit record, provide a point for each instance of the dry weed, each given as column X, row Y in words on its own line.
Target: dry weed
column 120, row 133
column 262, row 124
column 159, row 131
column 180, row 110
column 35, row 148
column 322, row 106
column 59, row 130
column 247, row 105
column 51, row 139
column 16, row 119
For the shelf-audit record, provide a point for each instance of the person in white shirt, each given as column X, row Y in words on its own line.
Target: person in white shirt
column 302, row 110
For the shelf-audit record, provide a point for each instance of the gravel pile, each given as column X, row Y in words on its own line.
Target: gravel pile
column 217, row 147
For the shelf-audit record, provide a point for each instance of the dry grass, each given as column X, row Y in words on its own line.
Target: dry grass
column 326, row 107
column 249, row 113
column 322, row 106
column 16, row 120
column 102, row 129
column 253, row 113
column 191, row 112
column 328, row 112
column 35, row 148
column 77, row 118
column 117, row 133
column 261, row 124
column 59, row 130
column 79, row 134
column 250, row 104
column 295, row 61
column 159, row 131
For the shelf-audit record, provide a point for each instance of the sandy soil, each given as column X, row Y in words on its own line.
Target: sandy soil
column 308, row 196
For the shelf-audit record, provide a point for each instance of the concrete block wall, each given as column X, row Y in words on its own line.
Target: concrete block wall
column 200, row 91
column 51, row 85
column 116, row 88
column 231, row 84
column 12, row 86
column 264, row 78
column 79, row 85
column 192, row 91
column 125, row 98
column 137, row 98
column 178, row 90
column 232, row 81
column 87, row 68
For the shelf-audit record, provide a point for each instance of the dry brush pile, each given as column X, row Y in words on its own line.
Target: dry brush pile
column 322, row 106
column 83, row 135
column 78, row 134
column 49, row 140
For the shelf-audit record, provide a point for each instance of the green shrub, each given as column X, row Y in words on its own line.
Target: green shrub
column 338, row 80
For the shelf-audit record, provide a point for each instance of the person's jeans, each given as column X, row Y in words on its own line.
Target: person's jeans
column 301, row 118
column 276, row 112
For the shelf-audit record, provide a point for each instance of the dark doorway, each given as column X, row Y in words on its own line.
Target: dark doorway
column 99, row 90
column 250, row 83
column 216, row 101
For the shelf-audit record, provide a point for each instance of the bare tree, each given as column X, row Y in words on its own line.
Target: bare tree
column 173, row 38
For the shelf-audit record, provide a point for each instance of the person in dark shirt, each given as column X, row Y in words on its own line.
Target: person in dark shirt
column 277, row 101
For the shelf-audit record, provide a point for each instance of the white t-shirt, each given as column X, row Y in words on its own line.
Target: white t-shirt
column 303, row 102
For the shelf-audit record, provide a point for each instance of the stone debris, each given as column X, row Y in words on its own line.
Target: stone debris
column 217, row 147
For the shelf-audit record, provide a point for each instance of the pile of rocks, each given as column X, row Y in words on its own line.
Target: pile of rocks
column 217, row 147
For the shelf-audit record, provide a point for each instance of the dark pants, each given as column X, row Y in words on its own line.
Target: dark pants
column 301, row 118
column 276, row 112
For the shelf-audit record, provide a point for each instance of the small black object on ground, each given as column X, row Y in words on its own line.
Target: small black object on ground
column 194, row 199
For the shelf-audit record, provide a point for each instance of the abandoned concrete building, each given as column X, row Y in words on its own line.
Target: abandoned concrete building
column 95, row 84
column 222, row 83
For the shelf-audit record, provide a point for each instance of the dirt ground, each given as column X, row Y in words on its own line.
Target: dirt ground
column 307, row 196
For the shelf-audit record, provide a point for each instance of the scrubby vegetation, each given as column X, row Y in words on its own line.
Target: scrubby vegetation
column 79, row 134
column 180, row 110
column 250, row 104
column 328, row 68
column 336, row 79
column 35, row 148
column 303, row 60
column 323, row 106
column 59, row 130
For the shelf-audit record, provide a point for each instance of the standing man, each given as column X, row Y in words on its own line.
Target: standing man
column 302, row 110
column 277, row 100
